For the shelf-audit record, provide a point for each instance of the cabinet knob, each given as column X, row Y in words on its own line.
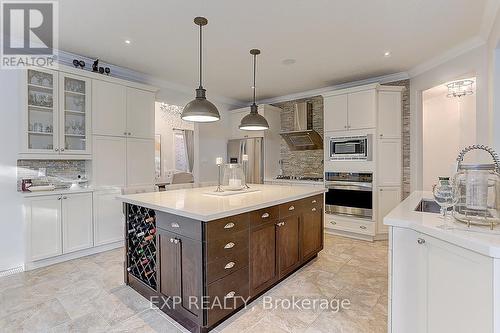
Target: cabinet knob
column 362, row 227
column 313, row 210
column 229, row 265
column 174, row 225
column 62, row 149
column 229, row 245
column 57, row 149
column 65, row 197
column 59, row 198
column 421, row 241
column 171, row 240
column 229, row 225
column 314, row 201
column 129, row 133
column 230, row 294
column 291, row 208
column 345, row 126
column 333, row 222
column 265, row 215
column 280, row 224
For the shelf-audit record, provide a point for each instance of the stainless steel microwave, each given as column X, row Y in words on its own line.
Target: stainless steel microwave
column 351, row 148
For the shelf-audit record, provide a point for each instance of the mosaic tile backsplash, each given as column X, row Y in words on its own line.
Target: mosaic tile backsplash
column 307, row 162
column 55, row 171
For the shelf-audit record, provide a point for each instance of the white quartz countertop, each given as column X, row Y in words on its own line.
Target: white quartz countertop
column 57, row 192
column 478, row 239
column 196, row 204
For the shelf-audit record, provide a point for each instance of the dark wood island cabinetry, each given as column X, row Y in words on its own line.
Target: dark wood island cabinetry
column 204, row 271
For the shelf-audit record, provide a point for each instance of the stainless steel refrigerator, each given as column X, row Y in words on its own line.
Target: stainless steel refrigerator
column 254, row 148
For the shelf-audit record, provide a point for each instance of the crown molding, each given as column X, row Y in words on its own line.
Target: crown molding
column 66, row 58
column 450, row 54
column 315, row 92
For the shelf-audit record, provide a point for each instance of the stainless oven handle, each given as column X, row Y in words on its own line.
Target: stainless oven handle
column 350, row 185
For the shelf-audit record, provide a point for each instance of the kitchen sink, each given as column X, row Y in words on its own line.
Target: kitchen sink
column 429, row 206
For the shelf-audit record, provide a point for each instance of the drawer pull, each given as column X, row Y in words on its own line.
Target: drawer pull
column 313, row 210
column 230, row 294
column 333, row 222
column 174, row 240
column 229, row 245
column 171, row 240
column 265, row 215
column 229, row 265
column 280, row 224
column 314, row 201
column 291, row 208
column 229, row 225
column 421, row 241
column 362, row 227
column 174, row 225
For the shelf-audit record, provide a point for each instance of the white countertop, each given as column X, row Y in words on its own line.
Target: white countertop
column 478, row 239
column 194, row 203
column 294, row 182
column 57, row 192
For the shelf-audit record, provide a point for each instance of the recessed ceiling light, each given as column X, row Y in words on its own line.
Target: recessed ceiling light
column 289, row 61
column 127, row 41
column 387, row 54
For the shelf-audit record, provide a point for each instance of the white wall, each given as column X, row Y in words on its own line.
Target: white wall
column 493, row 55
column 470, row 64
column 11, row 222
column 449, row 124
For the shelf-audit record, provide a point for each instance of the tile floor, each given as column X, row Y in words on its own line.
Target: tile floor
column 88, row 295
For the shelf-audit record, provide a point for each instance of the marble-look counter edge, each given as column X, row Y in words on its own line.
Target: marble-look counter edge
column 215, row 216
column 478, row 239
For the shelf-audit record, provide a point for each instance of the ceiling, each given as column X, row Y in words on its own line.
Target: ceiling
column 331, row 41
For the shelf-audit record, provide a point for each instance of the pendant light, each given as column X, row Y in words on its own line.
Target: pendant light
column 254, row 121
column 200, row 109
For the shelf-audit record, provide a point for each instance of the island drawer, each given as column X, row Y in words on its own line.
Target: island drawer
column 264, row 215
column 226, row 226
column 226, row 295
column 290, row 208
column 224, row 266
column 180, row 225
column 226, row 245
column 311, row 202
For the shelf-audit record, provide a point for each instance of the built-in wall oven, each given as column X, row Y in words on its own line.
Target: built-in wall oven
column 349, row 194
column 351, row 148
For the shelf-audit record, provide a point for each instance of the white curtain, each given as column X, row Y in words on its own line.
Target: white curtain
column 189, row 142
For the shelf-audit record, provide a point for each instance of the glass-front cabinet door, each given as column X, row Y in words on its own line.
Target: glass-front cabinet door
column 41, row 122
column 74, row 109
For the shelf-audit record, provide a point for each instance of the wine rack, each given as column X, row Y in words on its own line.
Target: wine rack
column 141, row 243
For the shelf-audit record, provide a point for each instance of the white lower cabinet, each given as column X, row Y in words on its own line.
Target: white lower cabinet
column 44, row 227
column 58, row 224
column 140, row 162
column 76, row 222
column 108, row 217
column 439, row 287
column 387, row 199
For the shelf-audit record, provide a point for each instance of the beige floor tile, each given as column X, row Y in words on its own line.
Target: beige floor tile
column 89, row 323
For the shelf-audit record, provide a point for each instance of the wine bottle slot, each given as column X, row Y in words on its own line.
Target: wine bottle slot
column 150, row 219
column 142, row 233
column 152, row 231
column 131, row 230
column 148, row 238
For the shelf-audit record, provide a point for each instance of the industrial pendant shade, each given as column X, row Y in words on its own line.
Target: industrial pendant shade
column 200, row 109
column 254, row 121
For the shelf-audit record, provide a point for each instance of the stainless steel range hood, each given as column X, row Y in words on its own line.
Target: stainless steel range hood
column 303, row 136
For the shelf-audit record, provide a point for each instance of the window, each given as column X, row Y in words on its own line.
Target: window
column 181, row 162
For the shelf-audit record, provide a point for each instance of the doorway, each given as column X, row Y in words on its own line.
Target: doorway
column 448, row 125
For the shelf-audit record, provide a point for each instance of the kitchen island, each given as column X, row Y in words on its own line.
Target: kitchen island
column 201, row 257
column 441, row 280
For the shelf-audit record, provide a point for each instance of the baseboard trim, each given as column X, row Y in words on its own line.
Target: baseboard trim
column 74, row 255
column 12, row 271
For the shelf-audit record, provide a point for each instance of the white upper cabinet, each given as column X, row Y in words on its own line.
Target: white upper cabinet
column 109, row 165
column 41, row 120
column 389, row 162
column 140, row 162
column 389, row 114
column 350, row 109
column 109, row 108
column 140, row 113
column 335, row 113
column 77, row 222
column 75, row 114
column 362, row 109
